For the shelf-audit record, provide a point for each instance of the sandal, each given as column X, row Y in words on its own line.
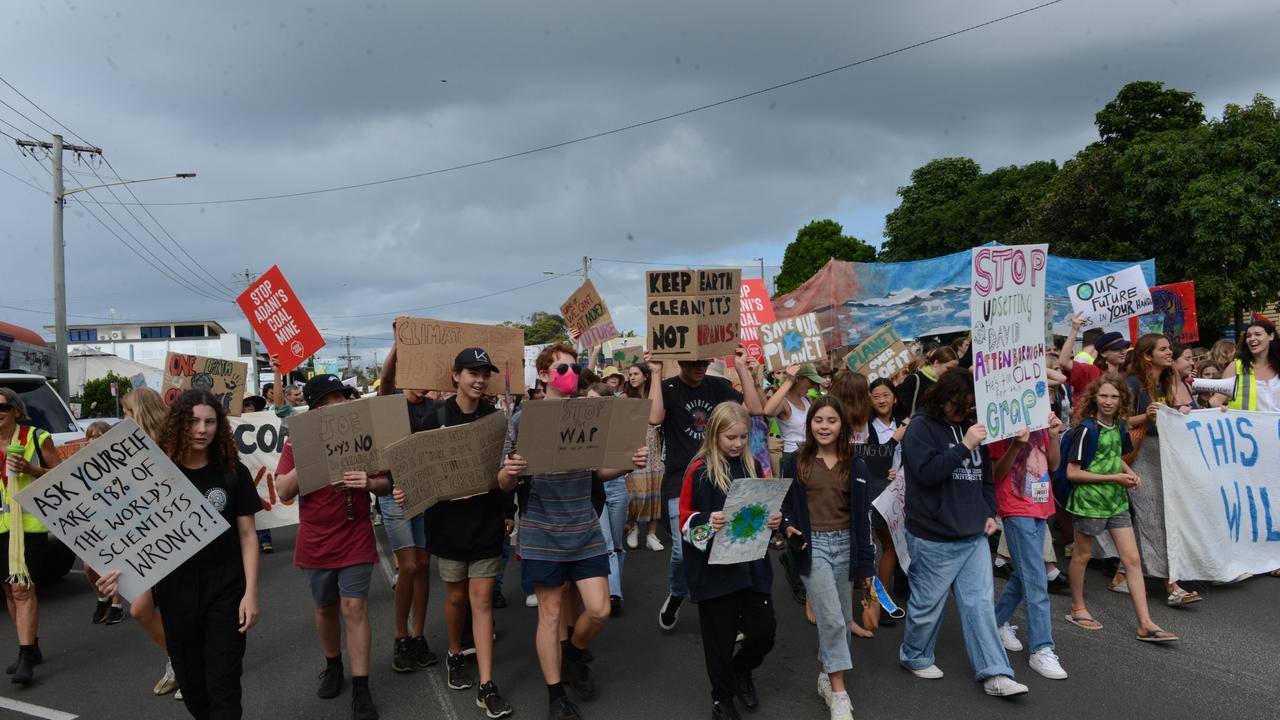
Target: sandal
column 1180, row 597
column 1083, row 619
column 1156, row 636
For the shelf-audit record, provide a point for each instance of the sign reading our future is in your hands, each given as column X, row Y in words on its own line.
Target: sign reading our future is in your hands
column 693, row 314
column 1112, row 297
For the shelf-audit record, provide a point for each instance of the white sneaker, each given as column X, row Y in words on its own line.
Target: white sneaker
column 531, row 600
column 653, row 544
column 177, row 695
column 841, row 708
column 1003, row 686
column 1045, row 662
column 1009, row 636
column 824, row 688
column 633, row 538
column 933, row 672
column 168, row 682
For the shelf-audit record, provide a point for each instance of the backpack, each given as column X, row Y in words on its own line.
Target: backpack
column 1062, row 487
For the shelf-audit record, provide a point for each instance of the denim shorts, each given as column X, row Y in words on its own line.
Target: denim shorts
column 327, row 585
column 401, row 532
column 1094, row 527
column 554, row 574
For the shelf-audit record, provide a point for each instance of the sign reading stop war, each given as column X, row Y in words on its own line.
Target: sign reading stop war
column 121, row 504
column 425, row 350
column 582, row 433
column 585, row 312
column 792, row 340
column 279, row 319
column 331, row 440
column 882, row 355
column 693, row 314
column 224, row 378
column 447, row 463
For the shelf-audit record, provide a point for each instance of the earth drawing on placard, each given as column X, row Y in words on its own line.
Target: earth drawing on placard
column 747, row 524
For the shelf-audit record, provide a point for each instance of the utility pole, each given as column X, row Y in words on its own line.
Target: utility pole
column 585, row 261
column 348, row 357
column 253, row 340
column 59, row 261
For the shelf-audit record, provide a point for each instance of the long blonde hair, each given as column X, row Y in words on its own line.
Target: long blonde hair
column 147, row 408
column 724, row 416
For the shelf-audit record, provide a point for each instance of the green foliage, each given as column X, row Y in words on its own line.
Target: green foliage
column 1147, row 107
column 99, row 391
column 542, row 327
column 816, row 244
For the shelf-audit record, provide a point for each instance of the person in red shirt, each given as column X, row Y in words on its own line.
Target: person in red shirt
column 336, row 551
column 1110, row 348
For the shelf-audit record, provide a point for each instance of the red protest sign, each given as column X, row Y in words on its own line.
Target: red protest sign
column 1174, row 314
column 757, row 309
column 278, row 317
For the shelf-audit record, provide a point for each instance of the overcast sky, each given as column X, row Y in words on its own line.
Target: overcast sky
column 281, row 97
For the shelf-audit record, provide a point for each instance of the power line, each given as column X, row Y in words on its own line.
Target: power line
column 679, row 265
column 575, row 273
column 24, row 117
column 24, row 182
column 42, row 110
column 625, row 128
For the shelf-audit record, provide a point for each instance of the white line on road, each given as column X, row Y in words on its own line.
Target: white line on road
column 35, row 710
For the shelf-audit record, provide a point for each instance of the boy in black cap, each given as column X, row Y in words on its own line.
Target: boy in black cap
column 466, row 536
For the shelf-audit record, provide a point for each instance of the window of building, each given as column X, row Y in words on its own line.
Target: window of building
column 90, row 335
column 151, row 332
column 245, row 347
column 188, row 331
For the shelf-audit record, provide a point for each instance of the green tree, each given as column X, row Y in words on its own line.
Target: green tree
column 1147, row 107
column 542, row 327
column 96, row 401
column 815, row 244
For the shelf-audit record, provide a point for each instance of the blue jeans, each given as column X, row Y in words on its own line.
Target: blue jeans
column 829, row 590
column 264, row 536
column 612, row 521
column 965, row 567
column 1028, row 584
column 678, row 586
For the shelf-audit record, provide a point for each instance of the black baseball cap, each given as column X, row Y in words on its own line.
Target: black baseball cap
column 321, row 386
column 474, row 359
column 1111, row 341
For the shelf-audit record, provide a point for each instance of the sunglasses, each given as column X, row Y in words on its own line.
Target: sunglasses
column 6, row 407
column 564, row 368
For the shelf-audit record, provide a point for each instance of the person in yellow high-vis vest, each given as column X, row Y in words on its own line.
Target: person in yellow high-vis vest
column 1256, row 365
column 28, row 454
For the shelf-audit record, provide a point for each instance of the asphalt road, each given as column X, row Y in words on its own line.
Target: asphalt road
column 1225, row 665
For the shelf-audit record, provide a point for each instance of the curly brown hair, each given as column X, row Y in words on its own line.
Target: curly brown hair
column 175, row 438
column 1088, row 405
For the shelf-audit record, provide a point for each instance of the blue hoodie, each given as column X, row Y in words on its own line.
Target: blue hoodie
column 950, row 493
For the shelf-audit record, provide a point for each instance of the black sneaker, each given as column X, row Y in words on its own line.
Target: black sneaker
column 330, row 682
column 402, row 657
column 115, row 615
column 36, row 658
column 362, row 707
column 579, row 676
column 499, row 602
column 459, row 677
column 100, row 611
column 670, row 613
column 747, row 692
column 615, row 606
column 1001, row 570
column 1060, row 585
column 563, row 709
column 724, row 711
column 422, row 655
column 493, row 704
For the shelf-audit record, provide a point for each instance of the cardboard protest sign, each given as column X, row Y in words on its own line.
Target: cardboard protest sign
column 224, row 378
column 880, row 356
column 1173, row 314
column 756, row 310
column 586, row 313
column 1006, row 306
column 330, row 440
column 792, row 340
column 447, row 463
column 1112, row 297
column 259, row 439
column 121, row 504
column 581, row 433
column 277, row 315
column 425, row 350
column 748, row 506
column 693, row 314
column 624, row 356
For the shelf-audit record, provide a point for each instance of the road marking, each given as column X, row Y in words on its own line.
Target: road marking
column 35, row 710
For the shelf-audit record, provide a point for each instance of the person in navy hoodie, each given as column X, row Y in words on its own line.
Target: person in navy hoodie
column 731, row 598
column 826, row 516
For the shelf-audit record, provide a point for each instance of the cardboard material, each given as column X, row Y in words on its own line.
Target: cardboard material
column 693, row 314
column 756, row 310
column 792, row 340
column 582, row 433
column 425, row 350
column 121, row 504
column 447, row 463
column 277, row 315
column 330, row 440
column 1174, row 315
column 880, row 356
column 586, row 313
column 624, row 356
column 1112, row 297
column 224, row 378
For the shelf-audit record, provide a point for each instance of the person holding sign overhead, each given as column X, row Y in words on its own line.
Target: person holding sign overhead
column 209, row 603
column 28, row 454
column 336, row 552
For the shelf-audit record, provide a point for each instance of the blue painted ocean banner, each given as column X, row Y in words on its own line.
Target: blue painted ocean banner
column 921, row 297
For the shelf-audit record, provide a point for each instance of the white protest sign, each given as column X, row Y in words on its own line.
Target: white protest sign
column 892, row 506
column 1112, row 297
column 792, row 340
column 259, row 439
column 1006, row 307
column 121, row 504
column 748, row 506
column 1221, row 492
